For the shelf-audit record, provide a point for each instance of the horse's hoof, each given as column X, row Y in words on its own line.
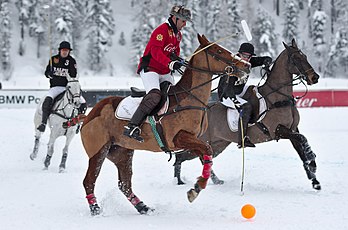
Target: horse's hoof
column 45, row 168
column 316, row 184
column 61, row 170
column 95, row 209
column 218, row 181
column 143, row 209
column 32, row 156
column 180, row 182
column 192, row 195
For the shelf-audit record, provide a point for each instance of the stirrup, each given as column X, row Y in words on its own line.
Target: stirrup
column 247, row 143
column 133, row 132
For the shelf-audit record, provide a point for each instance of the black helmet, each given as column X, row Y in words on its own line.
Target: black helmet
column 247, row 48
column 64, row 45
column 181, row 12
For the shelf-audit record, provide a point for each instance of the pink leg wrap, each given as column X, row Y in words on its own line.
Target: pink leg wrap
column 208, row 162
column 133, row 199
column 91, row 199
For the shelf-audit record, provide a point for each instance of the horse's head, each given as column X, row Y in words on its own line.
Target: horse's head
column 299, row 65
column 220, row 60
column 73, row 89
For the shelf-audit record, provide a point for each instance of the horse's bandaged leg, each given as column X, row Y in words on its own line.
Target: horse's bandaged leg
column 207, row 164
column 91, row 199
column 133, row 199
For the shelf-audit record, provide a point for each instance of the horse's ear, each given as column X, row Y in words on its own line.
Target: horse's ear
column 294, row 43
column 285, row 45
column 202, row 40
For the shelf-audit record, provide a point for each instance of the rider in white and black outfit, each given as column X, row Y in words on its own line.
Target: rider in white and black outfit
column 59, row 66
column 233, row 88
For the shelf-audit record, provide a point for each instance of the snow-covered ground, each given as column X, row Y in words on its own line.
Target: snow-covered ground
column 275, row 183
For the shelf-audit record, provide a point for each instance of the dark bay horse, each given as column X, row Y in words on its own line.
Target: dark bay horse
column 281, row 118
column 102, row 133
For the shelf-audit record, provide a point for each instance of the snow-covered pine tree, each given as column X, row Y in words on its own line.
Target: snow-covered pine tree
column 337, row 64
column 213, row 11
column 264, row 33
column 189, row 35
column 122, row 40
column 23, row 18
column 291, row 22
column 234, row 11
column 5, row 40
column 319, row 44
column 225, row 25
column 146, row 23
column 100, row 26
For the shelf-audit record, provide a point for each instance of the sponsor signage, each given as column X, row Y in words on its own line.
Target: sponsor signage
column 322, row 98
column 21, row 98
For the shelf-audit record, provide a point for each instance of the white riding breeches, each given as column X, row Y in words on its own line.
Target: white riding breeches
column 152, row 80
column 55, row 91
column 228, row 102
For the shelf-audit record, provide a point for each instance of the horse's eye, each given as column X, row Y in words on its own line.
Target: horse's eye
column 219, row 51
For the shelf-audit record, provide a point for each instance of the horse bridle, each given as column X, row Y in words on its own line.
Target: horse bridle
column 71, row 97
column 303, row 73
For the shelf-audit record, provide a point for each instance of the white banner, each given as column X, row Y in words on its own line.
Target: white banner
column 21, row 98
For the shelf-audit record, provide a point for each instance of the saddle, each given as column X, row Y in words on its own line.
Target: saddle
column 258, row 104
column 128, row 105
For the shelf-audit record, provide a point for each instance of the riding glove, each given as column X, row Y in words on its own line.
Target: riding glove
column 174, row 65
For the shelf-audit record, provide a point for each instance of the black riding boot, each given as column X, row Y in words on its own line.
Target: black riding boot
column 133, row 130
column 245, row 116
column 46, row 110
column 146, row 106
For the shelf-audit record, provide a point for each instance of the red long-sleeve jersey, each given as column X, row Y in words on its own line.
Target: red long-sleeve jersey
column 162, row 43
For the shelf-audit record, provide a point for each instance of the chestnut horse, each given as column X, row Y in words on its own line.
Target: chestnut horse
column 281, row 117
column 102, row 133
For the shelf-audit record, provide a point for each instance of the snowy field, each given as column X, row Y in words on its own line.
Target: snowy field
column 275, row 183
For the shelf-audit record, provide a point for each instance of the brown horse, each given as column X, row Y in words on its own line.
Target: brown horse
column 102, row 133
column 281, row 116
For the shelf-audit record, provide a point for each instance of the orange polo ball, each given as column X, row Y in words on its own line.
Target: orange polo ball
column 248, row 211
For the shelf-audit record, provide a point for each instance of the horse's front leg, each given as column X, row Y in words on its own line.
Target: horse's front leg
column 94, row 166
column 179, row 159
column 50, row 150
column 300, row 143
column 186, row 140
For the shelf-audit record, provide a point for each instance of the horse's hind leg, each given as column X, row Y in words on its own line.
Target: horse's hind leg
column 179, row 159
column 123, row 158
column 94, row 166
column 300, row 143
column 33, row 155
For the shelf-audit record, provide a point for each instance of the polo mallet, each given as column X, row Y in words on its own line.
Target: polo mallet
column 249, row 38
column 48, row 20
column 246, row 31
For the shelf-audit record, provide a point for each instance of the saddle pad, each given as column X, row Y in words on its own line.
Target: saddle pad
column 233, row 115
column 128, row 105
